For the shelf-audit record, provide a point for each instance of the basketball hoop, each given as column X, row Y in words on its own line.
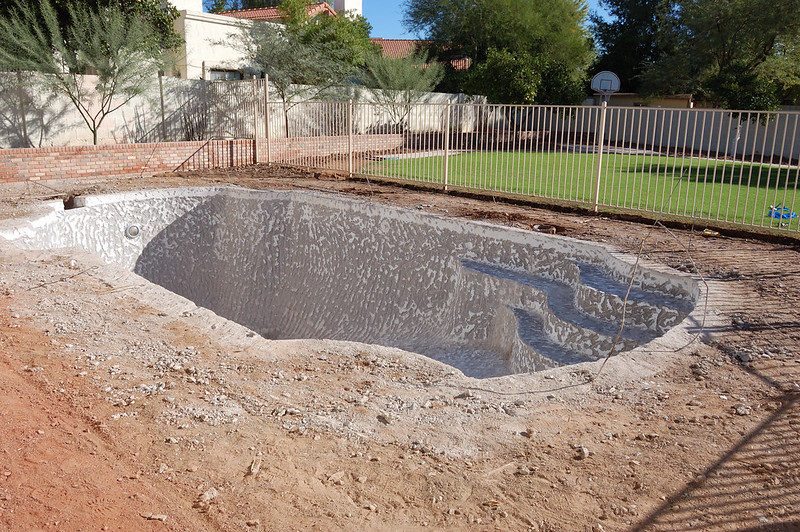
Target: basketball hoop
column 605, row 83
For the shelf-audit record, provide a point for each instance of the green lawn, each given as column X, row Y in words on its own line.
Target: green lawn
column 727, row 191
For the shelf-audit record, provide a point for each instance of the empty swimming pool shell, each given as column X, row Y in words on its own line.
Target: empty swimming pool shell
column 487, row 299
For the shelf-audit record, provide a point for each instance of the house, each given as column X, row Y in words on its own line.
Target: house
column 271, row 14
column 400, row 48
column 206, row 52
column 397, row 48
column 632, row 99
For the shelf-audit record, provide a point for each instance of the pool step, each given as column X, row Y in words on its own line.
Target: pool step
column 558, row 323
column 596, row 277
column 562, row 302
column 598, row 293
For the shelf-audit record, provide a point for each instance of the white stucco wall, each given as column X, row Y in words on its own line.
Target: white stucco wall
column 348, row 5
column 203, row 33
column 209, row 43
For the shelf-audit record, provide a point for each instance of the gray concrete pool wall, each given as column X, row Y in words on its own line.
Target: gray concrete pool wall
column 487, row 299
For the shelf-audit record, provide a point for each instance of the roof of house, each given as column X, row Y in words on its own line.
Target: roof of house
column 400, row 48
column 271, row 14
column 391, row 48
column 397, row 48
column 460, row 63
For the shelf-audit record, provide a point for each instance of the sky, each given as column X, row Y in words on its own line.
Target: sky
column 386, row 16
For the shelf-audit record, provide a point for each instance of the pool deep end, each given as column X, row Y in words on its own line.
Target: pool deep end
column 486, row 299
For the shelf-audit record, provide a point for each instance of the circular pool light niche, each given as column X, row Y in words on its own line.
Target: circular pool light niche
column 132, row 231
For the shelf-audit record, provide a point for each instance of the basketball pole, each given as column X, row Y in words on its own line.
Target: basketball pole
column 601, row 133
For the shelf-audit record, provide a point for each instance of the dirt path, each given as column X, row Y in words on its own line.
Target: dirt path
column 124, row 410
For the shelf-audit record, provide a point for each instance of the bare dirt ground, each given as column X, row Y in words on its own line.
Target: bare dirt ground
column 121, row 411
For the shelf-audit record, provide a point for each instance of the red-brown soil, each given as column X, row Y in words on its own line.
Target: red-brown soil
column 117, row 413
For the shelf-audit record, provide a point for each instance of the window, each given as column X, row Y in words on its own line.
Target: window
column 225, row 75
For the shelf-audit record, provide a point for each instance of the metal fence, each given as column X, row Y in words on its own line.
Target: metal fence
column 709, row 166
column 205, row 110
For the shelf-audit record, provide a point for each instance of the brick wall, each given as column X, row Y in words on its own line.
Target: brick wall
column 117, row 160
column 134, row 160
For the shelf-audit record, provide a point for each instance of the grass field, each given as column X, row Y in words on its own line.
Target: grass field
column 735, row 192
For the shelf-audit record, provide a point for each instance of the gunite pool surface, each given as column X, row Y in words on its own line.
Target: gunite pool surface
column 486, row 299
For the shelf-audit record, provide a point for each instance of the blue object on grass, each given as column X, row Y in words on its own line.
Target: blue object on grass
column 779, row 211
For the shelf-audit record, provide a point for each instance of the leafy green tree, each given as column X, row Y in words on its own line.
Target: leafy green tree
column 306, row 56
column 398, row 83
column 118, row 49
column 538, row 32
column 730, row 53
column 351, row 32
column 560, row 86
column 505, row 78
column 783, row 67
column 289, row 59
column 298, row 64
column 159, row 14
column 523, row 79
column 294, row 13
column 345, row 31
column 215, row 6
column 628, row 40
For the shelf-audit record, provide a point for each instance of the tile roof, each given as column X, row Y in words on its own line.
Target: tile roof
column 271, row 14
column 460, row 63
column 399, row 48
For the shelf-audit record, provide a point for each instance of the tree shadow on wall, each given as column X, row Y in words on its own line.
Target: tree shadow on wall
column 28, row 117
column 188, row 120
column 201, row 110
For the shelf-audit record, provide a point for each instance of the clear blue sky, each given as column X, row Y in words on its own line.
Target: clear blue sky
column 386, row 15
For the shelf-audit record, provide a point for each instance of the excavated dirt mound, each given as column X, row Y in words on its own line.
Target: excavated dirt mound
column 126, row 409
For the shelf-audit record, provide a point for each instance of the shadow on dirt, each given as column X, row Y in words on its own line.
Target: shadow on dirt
column 754, row 482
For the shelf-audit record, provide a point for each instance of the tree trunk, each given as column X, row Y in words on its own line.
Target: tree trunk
column 286, row 118
column 23, row 111
column 737, row 135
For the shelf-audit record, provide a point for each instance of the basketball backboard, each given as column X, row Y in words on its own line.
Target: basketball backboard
column 605, row 82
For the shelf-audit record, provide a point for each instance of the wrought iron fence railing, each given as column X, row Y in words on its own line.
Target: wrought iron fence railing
column 709, row 165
